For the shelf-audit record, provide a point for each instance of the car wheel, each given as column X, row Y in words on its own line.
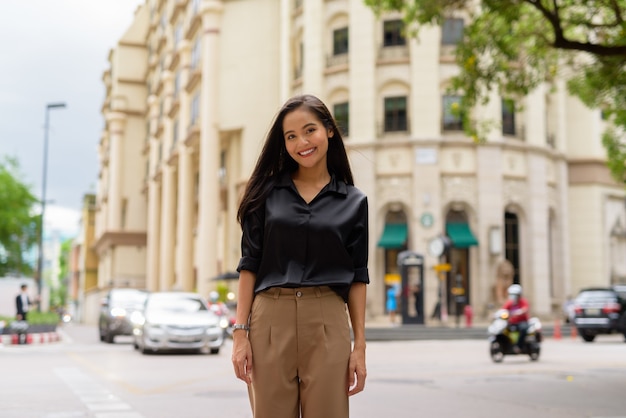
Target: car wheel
column 102, row 336
column 144, row 348
column 109, row 338
column 587, row 336
column 215, row 351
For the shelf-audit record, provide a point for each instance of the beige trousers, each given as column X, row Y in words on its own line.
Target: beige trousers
column 301, row 346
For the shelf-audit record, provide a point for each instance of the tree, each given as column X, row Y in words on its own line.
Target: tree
column 512, row 46
column 59, row 287
column 18, row 225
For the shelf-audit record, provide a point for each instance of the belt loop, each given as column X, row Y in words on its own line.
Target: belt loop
column 276, row 292
column 318, row 292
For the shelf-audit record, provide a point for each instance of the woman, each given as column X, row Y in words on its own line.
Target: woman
column 304, row 259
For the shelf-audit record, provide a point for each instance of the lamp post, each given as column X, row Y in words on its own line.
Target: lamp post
column 44, row 179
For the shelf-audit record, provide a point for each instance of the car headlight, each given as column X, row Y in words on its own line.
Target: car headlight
column 137, row 318
column 118, row 312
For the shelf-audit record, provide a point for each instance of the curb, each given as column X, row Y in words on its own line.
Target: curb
column 33, row 339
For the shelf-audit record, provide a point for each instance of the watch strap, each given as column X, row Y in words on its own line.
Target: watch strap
column 241, row 326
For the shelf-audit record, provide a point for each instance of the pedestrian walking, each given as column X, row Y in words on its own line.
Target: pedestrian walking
column 23, row 303
column 303, row 271
column 392, row 303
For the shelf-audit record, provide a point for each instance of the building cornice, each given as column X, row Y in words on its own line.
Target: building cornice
column 590, row 171
column 111, row 239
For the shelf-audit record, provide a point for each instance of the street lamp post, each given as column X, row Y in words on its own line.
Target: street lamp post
column 44, row 179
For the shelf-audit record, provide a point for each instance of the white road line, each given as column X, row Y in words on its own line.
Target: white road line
column 101, row 402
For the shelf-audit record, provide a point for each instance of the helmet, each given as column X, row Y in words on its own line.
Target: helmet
column 214, row 296
column 515, row 290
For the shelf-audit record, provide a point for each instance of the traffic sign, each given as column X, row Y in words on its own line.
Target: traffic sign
column 442, row 267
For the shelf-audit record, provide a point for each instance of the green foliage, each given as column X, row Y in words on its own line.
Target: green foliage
column 35, row 318
column 19, row 225
column 512, row 46
column 58, row 289
column 222, row 290
column 617, row 149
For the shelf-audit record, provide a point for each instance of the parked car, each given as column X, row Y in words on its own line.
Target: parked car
column 177, row 321
column 599, row 311
column 115, row 312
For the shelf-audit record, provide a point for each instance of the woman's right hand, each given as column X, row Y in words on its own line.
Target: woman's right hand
column 242, row 356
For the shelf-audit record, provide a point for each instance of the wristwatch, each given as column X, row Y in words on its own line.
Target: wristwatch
column 241, row 326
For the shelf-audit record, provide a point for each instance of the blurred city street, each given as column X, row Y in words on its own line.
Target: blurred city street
column 82, row 377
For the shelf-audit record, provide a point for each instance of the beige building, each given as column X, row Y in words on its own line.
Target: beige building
column 84, row 290
column 192, row 89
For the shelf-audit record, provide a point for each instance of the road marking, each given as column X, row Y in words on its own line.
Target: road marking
column 101, row 402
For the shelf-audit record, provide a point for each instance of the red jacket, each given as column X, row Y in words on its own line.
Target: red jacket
column 518, row 311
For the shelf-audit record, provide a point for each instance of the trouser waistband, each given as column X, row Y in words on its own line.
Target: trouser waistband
column 298, row 292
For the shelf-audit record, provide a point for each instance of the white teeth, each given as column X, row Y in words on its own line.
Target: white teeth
column 307, row 152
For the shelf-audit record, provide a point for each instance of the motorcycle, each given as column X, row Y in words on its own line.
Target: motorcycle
column 503, row 337
column 227, row 320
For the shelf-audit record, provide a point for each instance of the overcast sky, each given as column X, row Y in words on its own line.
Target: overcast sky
column 56, row 51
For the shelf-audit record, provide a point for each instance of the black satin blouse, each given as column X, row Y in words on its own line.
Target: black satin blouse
column 295, row 244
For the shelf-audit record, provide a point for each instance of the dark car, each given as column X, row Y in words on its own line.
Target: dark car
column 116, row 310
column 599, row 311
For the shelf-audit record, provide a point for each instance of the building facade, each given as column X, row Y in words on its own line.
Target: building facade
column 191, row 91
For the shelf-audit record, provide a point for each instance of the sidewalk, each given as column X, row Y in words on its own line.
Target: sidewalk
column 380, row 329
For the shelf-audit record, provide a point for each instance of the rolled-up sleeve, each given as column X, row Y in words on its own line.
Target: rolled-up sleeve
column 358, row 245
column 252, row 242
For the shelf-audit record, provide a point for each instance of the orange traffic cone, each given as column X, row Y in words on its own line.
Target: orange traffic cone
column 557, row 330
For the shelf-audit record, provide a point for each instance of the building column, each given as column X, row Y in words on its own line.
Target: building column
column 168, row 206
column 535, row 117
column 209, row 146
column 363, row 53
column 185, row 209
column 535, row 273
column 184, row 254
column 154, row 208
column 425, row 116
column 117, row 123
column 314, row 51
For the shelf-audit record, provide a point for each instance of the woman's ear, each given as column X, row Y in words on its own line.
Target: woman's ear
column 331, row 133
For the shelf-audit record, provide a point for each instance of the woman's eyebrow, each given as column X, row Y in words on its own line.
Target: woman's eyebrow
column 304, row 127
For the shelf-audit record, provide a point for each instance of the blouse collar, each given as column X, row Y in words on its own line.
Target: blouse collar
column 335, row 185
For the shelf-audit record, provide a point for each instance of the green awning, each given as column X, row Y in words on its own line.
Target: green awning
column 394, row 236
column 460, row 234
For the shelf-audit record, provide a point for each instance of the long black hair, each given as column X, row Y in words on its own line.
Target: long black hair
column 274, row 159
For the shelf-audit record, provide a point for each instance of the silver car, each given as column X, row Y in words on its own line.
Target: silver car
column 177, row 321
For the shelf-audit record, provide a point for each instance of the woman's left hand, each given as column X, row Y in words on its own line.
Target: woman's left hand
column 356, row 371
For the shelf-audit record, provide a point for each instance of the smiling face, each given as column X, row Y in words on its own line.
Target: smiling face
column 306, row 138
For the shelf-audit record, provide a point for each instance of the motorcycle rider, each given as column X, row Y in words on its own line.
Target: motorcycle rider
column 518, row 308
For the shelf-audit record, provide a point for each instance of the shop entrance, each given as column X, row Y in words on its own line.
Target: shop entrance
column 411, row 266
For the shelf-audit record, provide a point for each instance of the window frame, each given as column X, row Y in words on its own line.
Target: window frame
column 341, row 41
column 341, row 113
column 393, row 33
column 450, row 121
column 450, row 32
column 508, row 117
column 395, row 117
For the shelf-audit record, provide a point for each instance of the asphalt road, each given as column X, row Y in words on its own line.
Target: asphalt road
column 81, row 377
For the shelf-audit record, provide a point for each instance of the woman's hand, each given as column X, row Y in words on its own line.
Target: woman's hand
column 356, row 371
column 242, row 356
